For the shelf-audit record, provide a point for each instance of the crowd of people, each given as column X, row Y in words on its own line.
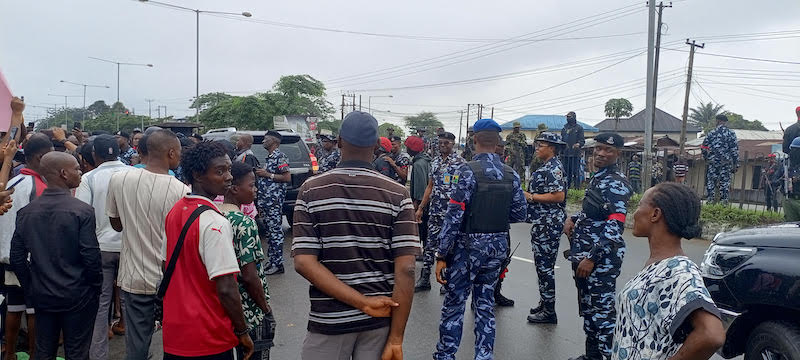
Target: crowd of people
column 166, row 230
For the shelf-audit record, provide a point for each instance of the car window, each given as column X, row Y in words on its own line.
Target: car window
column 295, row 152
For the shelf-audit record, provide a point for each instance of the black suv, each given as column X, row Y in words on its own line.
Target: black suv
column 753, row 276
column 302, row 164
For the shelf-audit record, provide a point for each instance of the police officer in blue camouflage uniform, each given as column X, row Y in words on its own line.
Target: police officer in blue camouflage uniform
column 473, row 242
column 721, row 151
column 597, row 247
column 271, row 184
column 546, row 202
column 332, row 153
column 437, row 194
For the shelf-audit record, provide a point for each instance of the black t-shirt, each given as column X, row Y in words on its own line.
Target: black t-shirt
column 789, row 134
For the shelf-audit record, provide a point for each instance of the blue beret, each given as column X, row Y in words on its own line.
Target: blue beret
column 486, row 125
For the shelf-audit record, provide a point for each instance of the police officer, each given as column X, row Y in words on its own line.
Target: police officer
column 271, row 183
column 516, row 142
column 546, row 203
column 469, row 148
column 721, row 152
column 791, row 206
column 333, row 156
column 572, row 134
column 499, row 298
column 437, row 194
column 473, row 242
column 597, row 246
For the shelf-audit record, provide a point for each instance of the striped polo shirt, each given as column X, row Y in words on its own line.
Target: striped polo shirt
column 356, row 221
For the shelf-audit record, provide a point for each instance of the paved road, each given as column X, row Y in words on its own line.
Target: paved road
column 516, row 339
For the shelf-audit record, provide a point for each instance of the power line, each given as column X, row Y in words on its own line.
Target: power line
column 740, row 57
column 465, row 58
column 471, row 49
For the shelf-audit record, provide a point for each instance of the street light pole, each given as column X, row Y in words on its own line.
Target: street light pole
column 66, row 122
column 83, row 116
column 197, row 38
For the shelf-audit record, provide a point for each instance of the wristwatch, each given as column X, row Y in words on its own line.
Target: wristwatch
column 272, row 176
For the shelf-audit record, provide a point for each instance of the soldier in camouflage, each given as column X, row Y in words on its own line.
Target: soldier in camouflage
column 433, row 143
column 597, row 247
column 546, row 202
column 516, row 142
column 471, row 250
column 721, row 152
column 333, row 156
column 469, row 148
column 271, row 182
column 437, row 194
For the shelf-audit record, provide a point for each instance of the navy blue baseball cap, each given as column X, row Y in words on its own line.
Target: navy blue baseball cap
column 486, row 125
column 105, row 146
column 359, row 129
column 612, row 139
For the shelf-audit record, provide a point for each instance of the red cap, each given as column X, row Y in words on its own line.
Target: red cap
column 415, row 143
column 797, row 110
column 386, row 144
column 772, row 155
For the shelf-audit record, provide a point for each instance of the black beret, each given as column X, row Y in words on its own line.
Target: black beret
column 612, row 139
column 448, row 136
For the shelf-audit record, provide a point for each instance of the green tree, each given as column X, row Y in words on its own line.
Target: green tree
column 299, row 95
column 119, row 108
column 704, row 114
column 331, row 125
column 397, row 130
column 617, row 108
column 242, row 112
column 424, row 120
column 209, row 100
column 98, row 108
column 736, row 121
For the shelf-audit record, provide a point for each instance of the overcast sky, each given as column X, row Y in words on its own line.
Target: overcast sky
column 44, row 42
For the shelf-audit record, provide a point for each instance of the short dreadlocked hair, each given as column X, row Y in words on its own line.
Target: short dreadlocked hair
column 197, row 158
column 680, row 206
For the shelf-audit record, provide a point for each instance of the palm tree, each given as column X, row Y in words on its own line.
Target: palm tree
column 616, row 108
column 704, row 114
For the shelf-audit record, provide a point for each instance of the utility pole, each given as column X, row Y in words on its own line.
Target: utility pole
column 692, row 46
column 460, row 123
column 492, row 112
column 660, row 7
column 468, row 105
column 342, row 106
column 149, row 108
column 353, row 96
column 650, row 107
column 159, row 112
column 359, row 102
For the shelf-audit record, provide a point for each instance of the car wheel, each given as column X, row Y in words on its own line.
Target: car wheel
column 774, row 340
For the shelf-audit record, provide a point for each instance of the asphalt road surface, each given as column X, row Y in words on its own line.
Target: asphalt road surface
column 516, row 339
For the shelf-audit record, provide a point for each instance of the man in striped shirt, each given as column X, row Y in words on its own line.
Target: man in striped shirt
column 355, row 240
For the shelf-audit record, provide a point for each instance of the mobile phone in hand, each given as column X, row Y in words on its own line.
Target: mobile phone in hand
column 13, row 133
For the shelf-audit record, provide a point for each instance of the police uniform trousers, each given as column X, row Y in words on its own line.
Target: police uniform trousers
column 597, row 305
column 544, row 241
column 270, row 216
column 474, row 269
column 435, row 222
column 718, row 173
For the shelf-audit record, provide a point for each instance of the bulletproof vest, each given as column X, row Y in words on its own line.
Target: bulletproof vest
column 490, row 203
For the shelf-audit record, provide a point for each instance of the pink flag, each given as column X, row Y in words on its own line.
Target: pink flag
column 5, row 104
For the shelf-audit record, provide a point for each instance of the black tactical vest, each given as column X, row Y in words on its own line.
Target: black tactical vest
column 490, row 203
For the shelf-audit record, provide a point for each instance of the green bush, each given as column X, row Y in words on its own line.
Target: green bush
column 575, row 196
column 721, row 214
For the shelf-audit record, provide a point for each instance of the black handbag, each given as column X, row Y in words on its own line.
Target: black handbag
column 595, row 206
column 162, row 289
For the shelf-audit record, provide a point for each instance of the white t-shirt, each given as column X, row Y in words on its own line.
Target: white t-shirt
column 142, row 199
column 94, row 191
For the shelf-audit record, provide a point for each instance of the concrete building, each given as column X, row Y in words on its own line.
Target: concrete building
column 665, row 124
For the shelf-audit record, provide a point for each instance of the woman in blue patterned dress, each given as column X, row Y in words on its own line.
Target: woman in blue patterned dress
column 665, row 311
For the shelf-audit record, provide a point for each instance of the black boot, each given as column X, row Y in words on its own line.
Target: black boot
column 424, row 283
column 546, row 316
column 537, row 308
column 499, row 299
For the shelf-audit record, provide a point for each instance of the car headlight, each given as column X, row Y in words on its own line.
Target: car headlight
column 720, row 260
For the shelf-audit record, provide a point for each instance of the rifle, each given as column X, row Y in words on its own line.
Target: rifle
column 508, row 259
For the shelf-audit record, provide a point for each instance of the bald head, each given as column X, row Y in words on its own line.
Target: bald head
column 161, row 141
column 61, row 170
column 243, row 141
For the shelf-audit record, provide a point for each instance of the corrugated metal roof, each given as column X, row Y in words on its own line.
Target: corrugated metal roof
column 553, row 123
column 664, row 123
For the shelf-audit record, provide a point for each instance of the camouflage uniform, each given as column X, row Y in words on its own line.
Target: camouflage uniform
column 401, row 159
column 443, row 176
column 721, row 152
column 330, row 161
column 433, row 146
column 600, row 241
column 515, row 145
column 125, row 156
column 474, row 263
column 548, row 223
column 269, row 203
column 469, row 148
